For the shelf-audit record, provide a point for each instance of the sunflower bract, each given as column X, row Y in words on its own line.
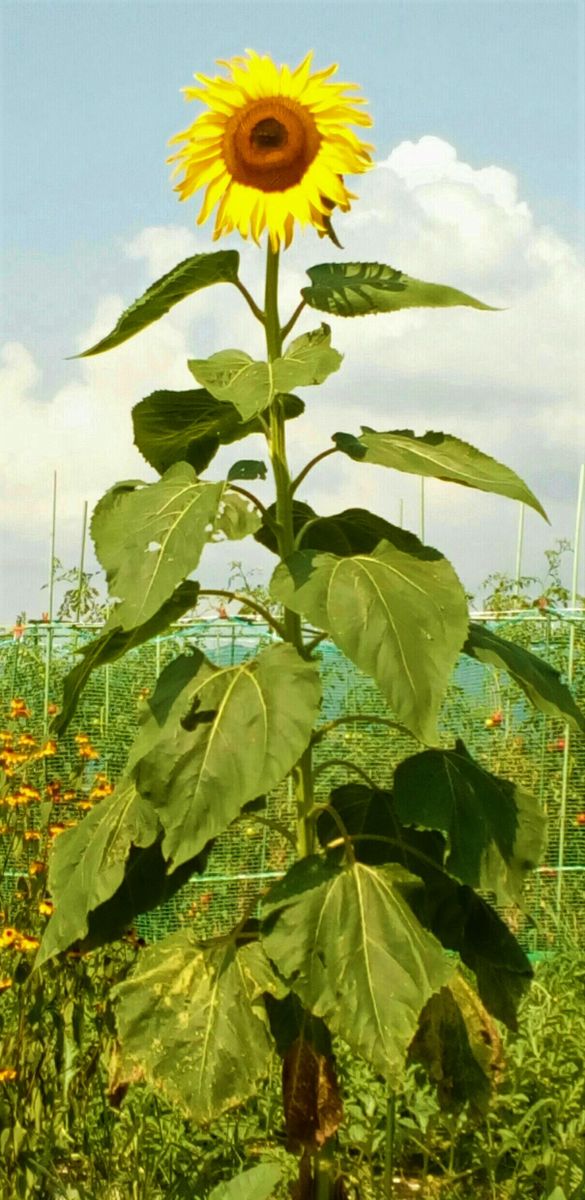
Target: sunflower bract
column 271, row 148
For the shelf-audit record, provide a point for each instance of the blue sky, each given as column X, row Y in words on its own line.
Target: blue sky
column 91, row 93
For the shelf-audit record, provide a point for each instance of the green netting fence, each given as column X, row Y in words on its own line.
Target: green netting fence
column 521, row 744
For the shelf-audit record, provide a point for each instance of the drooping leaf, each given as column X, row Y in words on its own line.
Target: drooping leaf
column 189, row 276
column 256, row 1183
column 148, row 537
column 115, row 642
column 190, row 426
column 399, row 614
column 308, row 360
column 215, row 739
column 313, row 1110
column 193, row 1018
column 234, row 378
column 88, row 862
column 467, row 923
column 460, row 1046
column 356, row 289
column 462, row 921
column 540, row 682
column 437, row 456
column 247, row 468
column 346, row 941
column 495, row 832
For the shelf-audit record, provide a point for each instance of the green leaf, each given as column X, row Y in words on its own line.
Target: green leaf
column 354, row 531
column 301, row 513
column 192, row 1017
column 437, row 456
column 495, row 832
column 461, row 920
column 307, row 361
column 233, row 377
column 87, row 864
column 148, row 537
column 540, row 682
column 236, row 518
column 213, row 739
column 256, row 1183
column 191, row 275
column 247, row 468
column 114, row 643
column 467, row 923
column 346, row 941
column 190, row 426
column 399, row 614
column 356, row 289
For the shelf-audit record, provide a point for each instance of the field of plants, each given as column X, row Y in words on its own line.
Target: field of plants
column 292, row 899
column 71, row 1128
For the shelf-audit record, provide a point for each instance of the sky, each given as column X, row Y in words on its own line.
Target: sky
column 478, row 109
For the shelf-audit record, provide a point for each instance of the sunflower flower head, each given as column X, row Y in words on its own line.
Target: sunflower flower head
column 272, row 148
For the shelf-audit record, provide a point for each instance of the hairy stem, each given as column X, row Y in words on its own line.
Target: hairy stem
column 247, row 600
column 303, row 773
column 289, row 325
column 250, row 301
column 309, row 467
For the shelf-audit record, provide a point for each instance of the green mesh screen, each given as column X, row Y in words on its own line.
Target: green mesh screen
column 520, row 744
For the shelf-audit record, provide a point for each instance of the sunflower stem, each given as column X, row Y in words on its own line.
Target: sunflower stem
column 293, row 320
column 250, row 301
column 303, row 771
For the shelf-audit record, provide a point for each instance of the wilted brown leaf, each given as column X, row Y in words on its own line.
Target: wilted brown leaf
column 312, row 1102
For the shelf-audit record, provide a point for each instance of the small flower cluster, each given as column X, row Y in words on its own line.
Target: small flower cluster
column 12, row 939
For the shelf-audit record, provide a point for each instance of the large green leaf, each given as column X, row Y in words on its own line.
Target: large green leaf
column 308, row 360
column 541, row 682
column 115, row 642
column 192, row 1017
column 346, row 941
column 190, row 426
column 438, row 456
column 256, row 1183
column 191, row 275
column 235, row 378
column 232, row 376
column 88, row 863
column 356, row 289
column 214, row 739
column 354, row 531
column 398, row 613
column 461, row 920
column 148, row 537
column 495, row 832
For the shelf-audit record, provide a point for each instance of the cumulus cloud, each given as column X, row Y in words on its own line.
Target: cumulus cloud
column 508, row 381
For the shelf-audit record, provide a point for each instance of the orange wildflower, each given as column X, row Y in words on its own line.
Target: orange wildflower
column 5, row 983
column 7, row 1074
column 46, row 908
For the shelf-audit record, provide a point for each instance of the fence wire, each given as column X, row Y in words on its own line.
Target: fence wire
column 483, row 706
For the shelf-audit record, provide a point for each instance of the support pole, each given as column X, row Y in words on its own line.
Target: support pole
column 49, row 642
column 81, row 563
column 519, row 551
column 570, row 667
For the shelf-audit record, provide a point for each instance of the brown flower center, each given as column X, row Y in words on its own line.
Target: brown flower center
column 270, row 144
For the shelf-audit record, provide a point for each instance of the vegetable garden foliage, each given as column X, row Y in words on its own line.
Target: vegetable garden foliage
column 363, row 936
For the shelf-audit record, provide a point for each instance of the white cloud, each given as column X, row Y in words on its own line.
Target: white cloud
column 510, row 381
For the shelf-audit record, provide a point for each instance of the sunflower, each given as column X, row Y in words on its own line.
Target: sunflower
column 272, row 148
